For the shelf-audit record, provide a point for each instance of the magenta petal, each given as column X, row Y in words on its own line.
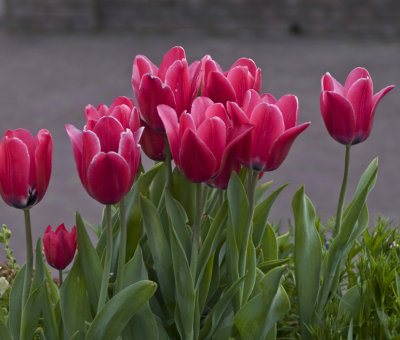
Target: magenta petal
column 240, row 140
column 177, row 77
column 153, row 93
column 379, row 95
column 175, row 53
column 269, row 125
column 122, row 101
column 250, row 101
column 208, row 66
column 122, row 113
column 153, row 143
column 357, row 73
column 268, row 98
column 289, row 106
column 219, row 89
column 237, row 115
column 130, row 151
column 257, row 81
column 91, row 113
column 195, row 160
column 141, row 66
column 43, row 159
column 170, row 120
column 213, row 133
column 108, row 178
column 241, row 80
column 91, row 147
column 76, row 137
column 199, row 108
column 218, row 110
column 14, row 172
column 134, row 120
column 186, row 122
column 328, row 83
column 108, row 130
column 339, row 117
column 282, row 146
column 246, row 62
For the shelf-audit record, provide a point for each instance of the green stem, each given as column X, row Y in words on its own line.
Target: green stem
column 29, row 257
column 342, row 192
column 107, row 261
column 251, row 193
column 168, row 166
column 60, row 276
column 196, row 242
column 122, row 246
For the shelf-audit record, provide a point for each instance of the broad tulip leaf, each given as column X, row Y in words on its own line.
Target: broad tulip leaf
column 116, row 313
column 75, row 305
column 269, row 244
column 184, row 287
column 250, row 279
column 308, row 255
column 4, row 332
column 350, row 302
column 158, row 185
column 205, row 282
column 160, row 250
column 179, row 221
column 15, row 302
column 89, row 262
column 257, row 317
column 184, row 192
column 268, row 265
column 262, row 189
column 261, row 213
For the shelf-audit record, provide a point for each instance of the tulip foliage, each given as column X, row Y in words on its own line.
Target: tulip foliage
column 184, row 251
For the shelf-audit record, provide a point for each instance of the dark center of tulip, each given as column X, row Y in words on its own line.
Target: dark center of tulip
column 32, row 195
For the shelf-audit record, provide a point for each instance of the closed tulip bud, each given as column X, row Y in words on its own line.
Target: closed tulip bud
column 59, row 246
column 25, row 167
column 275, row 129
column 174, row 83
column 348, row 111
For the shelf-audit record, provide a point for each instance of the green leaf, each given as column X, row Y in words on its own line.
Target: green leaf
column 74, row 302
column 262, row 189
column 116, row 313
column 205, row 282
column 350, row 302
column 308, row 256
column 269, row 244
column 268, row 265
column 250, row 279
column 89, row 263
column 4, row 332
column 160, row 250
column 261, row 213
column 184, row 289
column 184, row 192
column 257, row 317
column 158, row 185
column 15, row 303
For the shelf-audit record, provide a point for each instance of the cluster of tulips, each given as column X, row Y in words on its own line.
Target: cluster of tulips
column 199, row 232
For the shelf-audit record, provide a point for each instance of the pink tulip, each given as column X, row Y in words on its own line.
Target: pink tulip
column 232, row 85
column 348, row 111
column 275, row 129
column 153, row 143
column 200, row 140
column 174, row 83
column 59, row 246
column 25, row 167
column 107, row 158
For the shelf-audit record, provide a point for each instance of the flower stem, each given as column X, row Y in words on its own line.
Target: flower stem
column 122, row 246
column 29, row 257
column 107, row 261
column 60, row 276
column 168, row 166
column 252, row 177
column 342, row 192
column 196, row 230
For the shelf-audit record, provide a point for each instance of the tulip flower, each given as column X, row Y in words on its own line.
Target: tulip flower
column 275, row 129
column 59, row 246
column 232, row 85
column 348, row 111
column 107, row 158
column 25, row 167
column 200, row 140
column 174, row 83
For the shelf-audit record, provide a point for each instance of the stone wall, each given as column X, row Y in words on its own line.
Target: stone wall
column 315, row 17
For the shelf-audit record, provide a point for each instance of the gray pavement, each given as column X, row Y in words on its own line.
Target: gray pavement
column 46, row 81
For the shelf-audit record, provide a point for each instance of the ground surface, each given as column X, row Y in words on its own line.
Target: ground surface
column 46, row 81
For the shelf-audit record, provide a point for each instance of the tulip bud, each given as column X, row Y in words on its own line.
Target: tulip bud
column 59, row 246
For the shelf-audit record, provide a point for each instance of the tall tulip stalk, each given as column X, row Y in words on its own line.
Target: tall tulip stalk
column 185, row 250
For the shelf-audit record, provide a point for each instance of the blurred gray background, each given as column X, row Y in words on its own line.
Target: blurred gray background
column 56, row 56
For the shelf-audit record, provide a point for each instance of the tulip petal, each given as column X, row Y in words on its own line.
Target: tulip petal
column 43, row 159
column 250, row 101
column 238, row 116
column 281, row 147
column 153, row 93
column 218, row 110
column 76, row 137
column 354, row 75
column 361, row 98
column 186, row 122
column 213, row 133
column 91, row 113
column 240, row 142
column 222, row 179
column 199, row 108
column 175, row 53
column 241, row 80
column 170, row 120
column 134, row 120
column 257, row 81
column 208, row 66
column 153, row 143
column 289, row 106
column 219, row 89
column 328, row 83
column 196, row 161
column 379, row 95
column 130, row 151
column 141, row 66
column 269, row 125
column 14, row 172
column 90, row 148
column 121, row 100
column 108, row 130
column 339, row 117
column 246, row 62
column 108, row 178
column 122, row 113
